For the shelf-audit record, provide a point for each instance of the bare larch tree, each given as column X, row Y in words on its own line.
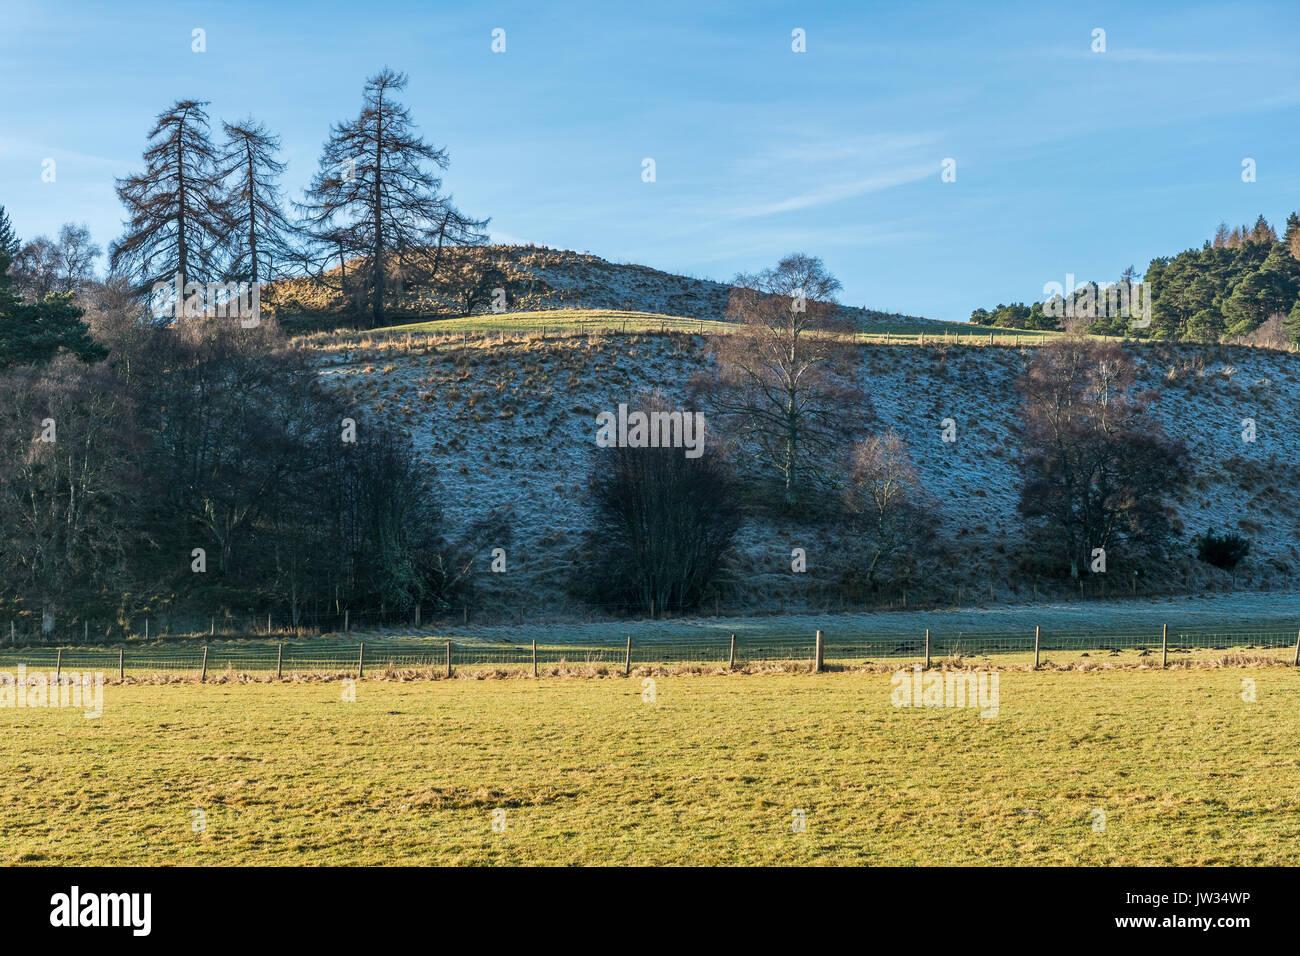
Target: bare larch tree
column 375, row 197
column 261, row 237
column 178, row 222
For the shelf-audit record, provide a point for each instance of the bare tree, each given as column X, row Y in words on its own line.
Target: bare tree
column 68, row 485
column 784, row 386
column 66, row 265
column 177, row 220
column 261, row 237
column 1099, row 470
column 892, row 516
column 36, row 268
column 375, row 198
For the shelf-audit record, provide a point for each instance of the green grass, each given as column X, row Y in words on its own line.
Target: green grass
column 587, row 772
column 567, row 322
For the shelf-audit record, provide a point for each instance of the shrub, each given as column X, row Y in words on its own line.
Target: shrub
column 1224, row 551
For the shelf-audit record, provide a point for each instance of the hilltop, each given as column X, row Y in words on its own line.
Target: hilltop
column 535, row 278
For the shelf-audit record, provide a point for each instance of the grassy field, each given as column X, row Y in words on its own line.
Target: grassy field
column 566, row 322
column 712, row 771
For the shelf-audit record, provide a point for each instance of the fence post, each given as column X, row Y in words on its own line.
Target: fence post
column 212, row 627
column 818, row 660
column 449, row 658
column 85, row 632
column 204, row 676
column 279, row 660
column 347, row 623
column 121, row 664
column 13, row 641
column 1295, row 662
column 627, row 661
column 361, row 661
column 58, row 664
column 1164, row 645
column 731, row 661
column 146, row 629
column 927, row 648
column 268, row 623
column 1037, row 630
column 534, row 657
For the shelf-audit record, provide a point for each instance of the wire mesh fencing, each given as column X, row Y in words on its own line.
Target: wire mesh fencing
column 710, row 646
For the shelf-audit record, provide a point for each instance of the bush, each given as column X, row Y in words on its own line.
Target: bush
column 1224, row 551
column 664, row 522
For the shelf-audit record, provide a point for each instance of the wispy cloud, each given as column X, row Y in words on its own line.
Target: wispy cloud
column 1120, row 54
column 837, row 192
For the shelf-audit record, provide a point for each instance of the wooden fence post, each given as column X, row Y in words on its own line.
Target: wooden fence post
column 927, row 648
column 627, row 660
column 361, row 661
column 279, row 660
column 204, row 676
column 1295, row 662
column 1037, row 631
column 121, row 664
column 1164, row 645
column 58, row 664
column 449, row 658
column 347, row 622
column 146, row 629
column 819, row 658
column 731, row 661
column 534, row 657
column 268, row 622
column 212, row 627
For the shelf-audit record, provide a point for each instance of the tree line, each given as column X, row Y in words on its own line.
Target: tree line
column 1241, row 286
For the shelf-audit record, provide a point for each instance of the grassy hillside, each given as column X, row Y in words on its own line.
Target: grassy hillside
column 535, row 279
column 508, row 422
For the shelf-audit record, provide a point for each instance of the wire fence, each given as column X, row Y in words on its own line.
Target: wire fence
column 27, row 628
column 712, row 646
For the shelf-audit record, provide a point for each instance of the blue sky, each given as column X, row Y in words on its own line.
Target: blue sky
column 1067, row 161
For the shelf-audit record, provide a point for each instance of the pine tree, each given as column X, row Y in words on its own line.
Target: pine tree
column 375, row 198
column 1292, row 235
column 178, row 223
column 261, row 237
column 9, row 243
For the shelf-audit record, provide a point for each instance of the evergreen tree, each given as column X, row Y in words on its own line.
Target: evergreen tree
column 33, row 333
column 9, row 243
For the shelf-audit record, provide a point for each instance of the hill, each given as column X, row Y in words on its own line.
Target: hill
column 509, row 420
column 535, row 278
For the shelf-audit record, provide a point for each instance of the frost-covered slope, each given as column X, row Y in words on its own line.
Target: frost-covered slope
column 511, row 428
